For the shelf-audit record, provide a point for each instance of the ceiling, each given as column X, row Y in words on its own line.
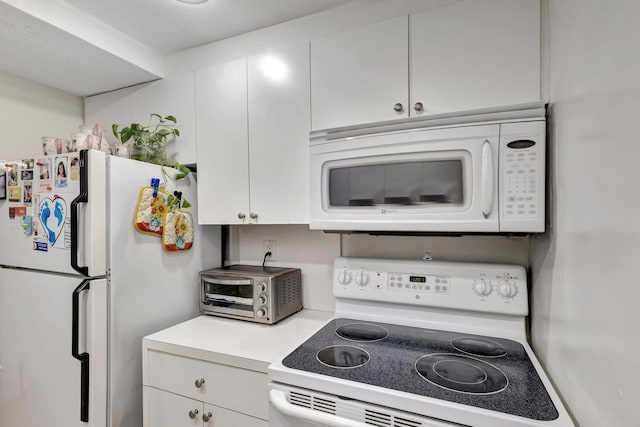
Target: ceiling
column 87, row 47
column 168, row 25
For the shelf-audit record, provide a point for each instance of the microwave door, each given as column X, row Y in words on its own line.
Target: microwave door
column 433, row 183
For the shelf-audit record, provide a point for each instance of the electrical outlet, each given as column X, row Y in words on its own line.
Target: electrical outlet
column 270, row 246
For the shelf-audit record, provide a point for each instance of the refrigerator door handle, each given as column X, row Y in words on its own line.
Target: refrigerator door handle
column 82, row 357
column 83, row 197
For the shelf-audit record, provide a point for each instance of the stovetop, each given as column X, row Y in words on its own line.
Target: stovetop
column 484, row 372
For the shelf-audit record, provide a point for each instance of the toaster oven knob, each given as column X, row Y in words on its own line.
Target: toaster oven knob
column 262, row 312
column 262, row 300
column 262, row 286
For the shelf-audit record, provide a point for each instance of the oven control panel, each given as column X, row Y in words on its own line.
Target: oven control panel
column 494, row 288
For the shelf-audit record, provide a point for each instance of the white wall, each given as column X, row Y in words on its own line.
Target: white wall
column 30, row 111
column 586, row 292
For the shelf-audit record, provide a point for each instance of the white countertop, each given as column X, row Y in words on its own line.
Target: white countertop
column 237, row 343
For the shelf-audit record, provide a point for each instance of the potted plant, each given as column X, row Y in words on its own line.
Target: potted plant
column 150, row 141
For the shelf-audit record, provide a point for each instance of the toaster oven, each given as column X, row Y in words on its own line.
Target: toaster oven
column 249, row 292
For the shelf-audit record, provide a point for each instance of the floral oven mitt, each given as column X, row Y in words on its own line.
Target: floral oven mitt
column 151, row 211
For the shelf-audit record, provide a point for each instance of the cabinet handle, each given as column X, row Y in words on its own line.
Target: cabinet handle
column 398, row 107
column 241, row 215
column 193, row 413
column 199, row 382
column 206, row 417
column 253, row 215
column 418, row 106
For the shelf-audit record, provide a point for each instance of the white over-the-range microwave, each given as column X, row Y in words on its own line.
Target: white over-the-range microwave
column 464, row 178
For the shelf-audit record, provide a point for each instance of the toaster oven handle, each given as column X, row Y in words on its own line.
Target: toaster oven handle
column 221, row 281
column 487, row 179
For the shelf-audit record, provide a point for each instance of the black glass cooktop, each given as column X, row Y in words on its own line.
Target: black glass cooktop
column 485, row 372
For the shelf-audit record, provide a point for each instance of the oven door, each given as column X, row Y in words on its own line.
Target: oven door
column 295, row 407
column 228, row 295
column 436, row 180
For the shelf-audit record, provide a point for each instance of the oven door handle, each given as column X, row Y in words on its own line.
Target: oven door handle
column 279, row 401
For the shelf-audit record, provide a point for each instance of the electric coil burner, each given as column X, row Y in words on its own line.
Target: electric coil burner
column 418, row 344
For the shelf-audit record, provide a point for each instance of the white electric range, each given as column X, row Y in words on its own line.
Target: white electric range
column 418, row 344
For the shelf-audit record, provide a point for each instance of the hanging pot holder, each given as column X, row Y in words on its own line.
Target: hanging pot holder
column 151, row 211
column 177, row 234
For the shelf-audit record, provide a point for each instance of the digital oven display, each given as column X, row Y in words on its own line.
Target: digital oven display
column 417, row 279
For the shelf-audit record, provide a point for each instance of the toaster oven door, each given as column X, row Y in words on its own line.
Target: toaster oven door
column 233, row 296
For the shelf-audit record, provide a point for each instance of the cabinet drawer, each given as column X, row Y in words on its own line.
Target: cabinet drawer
column 164, row 409
column 221, row 417
column 233, row 388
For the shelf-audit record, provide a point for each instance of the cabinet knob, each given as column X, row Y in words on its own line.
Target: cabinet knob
column 241, row 215
column 199, row 382
column 193, row 413
column 253, row 215
column 398, row 107
column 418, row 106
column 206, row 417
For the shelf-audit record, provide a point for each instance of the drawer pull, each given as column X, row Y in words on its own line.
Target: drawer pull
column 193, row 413
column 206, row 417
column 398, row 107
column 199, row 382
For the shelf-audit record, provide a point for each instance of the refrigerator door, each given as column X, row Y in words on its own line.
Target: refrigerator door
column 151, row 289
column 49, row 203
column 40, row 380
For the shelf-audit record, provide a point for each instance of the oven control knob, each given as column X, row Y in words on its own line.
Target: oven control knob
column 344, row 277
column 508, row 289
column 262, row 286
column 362, row 278
column 262, row 300
column 262, row 312
column 482, row 288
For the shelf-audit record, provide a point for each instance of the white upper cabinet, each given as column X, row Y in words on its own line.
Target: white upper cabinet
column 223, row 169
column 475, row 54
column 279, row 123
column 465, row 55
column 360, row 75
column 252, row 132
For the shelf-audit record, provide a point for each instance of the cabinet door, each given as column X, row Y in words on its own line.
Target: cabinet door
column 163, row 409
column 359, row 75
column 173, row 95
column 222, row 144
column 221, row 417
column 279, row 124
column 475, row 54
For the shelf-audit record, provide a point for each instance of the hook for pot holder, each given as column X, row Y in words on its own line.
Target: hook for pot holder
column 155, row 184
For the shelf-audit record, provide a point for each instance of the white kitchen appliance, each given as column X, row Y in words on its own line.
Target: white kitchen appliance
column 80, row 287
column 418, row 344
column 426, row 176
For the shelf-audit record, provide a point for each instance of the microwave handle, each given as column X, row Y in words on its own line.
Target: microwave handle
column 220, row 281
column 487, row 179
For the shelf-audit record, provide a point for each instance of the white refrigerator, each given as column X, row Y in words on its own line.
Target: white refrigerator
column 78, row 294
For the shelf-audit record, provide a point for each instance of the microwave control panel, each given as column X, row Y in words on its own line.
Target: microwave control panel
column 522, row 185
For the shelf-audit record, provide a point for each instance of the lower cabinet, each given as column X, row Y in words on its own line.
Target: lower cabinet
column 184, row 391
column 164, row 409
